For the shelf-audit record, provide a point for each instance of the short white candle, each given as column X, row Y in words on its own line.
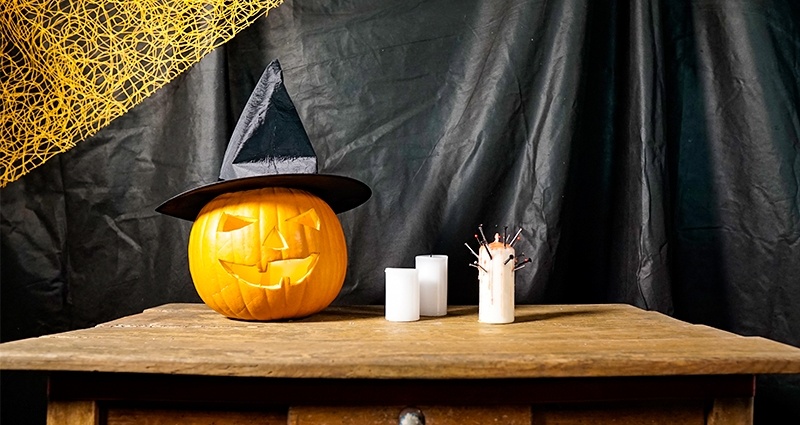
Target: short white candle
column 432, row 275
column 496, row 279
column 402, row 295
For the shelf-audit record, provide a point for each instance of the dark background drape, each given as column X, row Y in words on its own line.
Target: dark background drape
column 649, row 149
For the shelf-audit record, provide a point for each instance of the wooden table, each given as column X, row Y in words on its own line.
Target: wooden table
column 556, row 364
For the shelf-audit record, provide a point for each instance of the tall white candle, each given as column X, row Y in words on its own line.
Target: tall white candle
column 496, row 280
column 402, row 295
column 432, row 275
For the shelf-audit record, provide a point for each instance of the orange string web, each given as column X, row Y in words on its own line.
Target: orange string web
column 68, row 68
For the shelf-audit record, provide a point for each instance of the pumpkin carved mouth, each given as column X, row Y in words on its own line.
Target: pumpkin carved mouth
column 278, row 273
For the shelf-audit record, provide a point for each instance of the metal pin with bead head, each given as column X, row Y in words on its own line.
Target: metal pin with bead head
column 516, row 236
column 471, row 250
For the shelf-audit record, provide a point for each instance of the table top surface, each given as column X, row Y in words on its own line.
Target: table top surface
column 357, row 342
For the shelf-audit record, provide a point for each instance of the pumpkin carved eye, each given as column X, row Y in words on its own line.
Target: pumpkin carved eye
column 275, row 239
column 230, row 222
column 308, row 219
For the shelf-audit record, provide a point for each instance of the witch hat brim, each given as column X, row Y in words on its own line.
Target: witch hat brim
column 270, row 148
column 339, row 192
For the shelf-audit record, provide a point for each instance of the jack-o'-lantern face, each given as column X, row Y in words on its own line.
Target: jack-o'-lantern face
column 264, row 266
column 267, row 254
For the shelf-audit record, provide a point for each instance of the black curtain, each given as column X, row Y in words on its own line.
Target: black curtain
column 649, row 149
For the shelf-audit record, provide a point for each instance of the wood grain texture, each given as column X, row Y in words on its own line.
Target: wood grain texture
column 357, row 342
column 731, row 411
column 388, row 415
column 73, row 413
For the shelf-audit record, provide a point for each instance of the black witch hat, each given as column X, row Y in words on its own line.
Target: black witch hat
column 270, row 148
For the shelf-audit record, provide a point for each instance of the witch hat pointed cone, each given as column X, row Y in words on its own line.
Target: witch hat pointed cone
column 269, row 137
column 269, row 147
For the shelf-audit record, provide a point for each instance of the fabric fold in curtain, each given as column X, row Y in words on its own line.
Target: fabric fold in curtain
column 650, row 151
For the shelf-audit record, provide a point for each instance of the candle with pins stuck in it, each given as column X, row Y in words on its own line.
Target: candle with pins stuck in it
column 497, row 263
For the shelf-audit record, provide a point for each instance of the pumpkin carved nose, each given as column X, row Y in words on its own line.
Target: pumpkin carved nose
column 275, row 240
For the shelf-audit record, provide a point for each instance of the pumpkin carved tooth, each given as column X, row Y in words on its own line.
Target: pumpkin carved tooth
column 278, row 272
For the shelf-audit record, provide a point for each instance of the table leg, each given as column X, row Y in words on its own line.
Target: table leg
column 731, row 411
column 72, row 413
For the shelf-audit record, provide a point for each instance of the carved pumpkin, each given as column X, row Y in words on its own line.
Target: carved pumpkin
column 266, row 254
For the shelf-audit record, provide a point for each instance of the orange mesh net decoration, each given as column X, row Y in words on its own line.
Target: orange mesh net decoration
column 68, row 68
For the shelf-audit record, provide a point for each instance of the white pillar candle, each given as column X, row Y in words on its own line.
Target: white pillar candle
column 432, row 276
column 402, row 295
column 496, row 279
